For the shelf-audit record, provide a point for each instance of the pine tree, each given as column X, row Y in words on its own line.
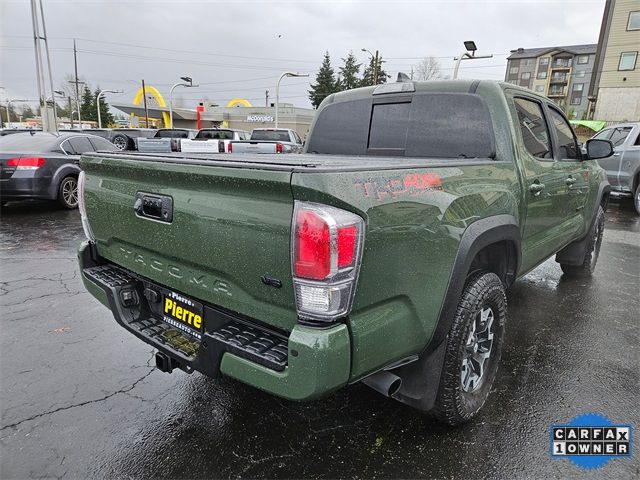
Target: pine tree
column 349, row 73
column 88, row 106
column 27, row 112
column 367, row 76
column 326, row 83
column 105, row 114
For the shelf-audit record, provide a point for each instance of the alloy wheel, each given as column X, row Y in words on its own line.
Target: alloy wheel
column 477, row 350
column 120, row 143
column 70, row 192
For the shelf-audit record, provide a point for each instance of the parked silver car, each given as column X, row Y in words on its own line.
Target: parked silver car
column 623, row 167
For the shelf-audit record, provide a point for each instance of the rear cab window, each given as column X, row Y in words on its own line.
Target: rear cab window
column 215, row 134
column 273, row 135
column 433, row 125
column 172, row 134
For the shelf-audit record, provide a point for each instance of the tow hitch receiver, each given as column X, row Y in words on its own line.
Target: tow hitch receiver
column 164, row 363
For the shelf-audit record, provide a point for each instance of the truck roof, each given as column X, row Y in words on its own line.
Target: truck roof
column 435, row 86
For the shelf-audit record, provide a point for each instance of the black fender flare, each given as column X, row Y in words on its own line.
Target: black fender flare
column 63, row 171
column 573, row 254
column 421, row 378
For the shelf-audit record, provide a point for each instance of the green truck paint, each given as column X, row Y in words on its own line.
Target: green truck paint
column 430, row 225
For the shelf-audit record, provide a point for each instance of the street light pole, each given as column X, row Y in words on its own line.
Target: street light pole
column 179, row 84
column 470, row 46
column 376, row 68
column 98, row 103
column 285, row 74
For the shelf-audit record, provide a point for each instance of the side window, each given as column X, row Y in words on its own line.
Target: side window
column 567, row 143
column 603, row 134
column 67, row 148
column 81, row 145
column 297, row 137
column 535, row 133
column 619, row 135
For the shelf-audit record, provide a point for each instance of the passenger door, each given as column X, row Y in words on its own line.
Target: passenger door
column 544, row 188
column 626, row 148
column 574, row 177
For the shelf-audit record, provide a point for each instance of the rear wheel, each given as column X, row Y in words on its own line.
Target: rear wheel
column 473, row 350
column 636, row 199
column 593, row 250
column 68, row 193
column 121, row 141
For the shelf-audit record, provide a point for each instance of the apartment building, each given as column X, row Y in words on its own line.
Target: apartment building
column 616, row 84
column 561, row 73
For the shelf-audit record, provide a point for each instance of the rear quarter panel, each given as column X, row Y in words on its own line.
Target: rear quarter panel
column 414, row 222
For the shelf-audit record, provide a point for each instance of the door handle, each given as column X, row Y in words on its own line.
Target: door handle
column 536, row 188
column 570, row 181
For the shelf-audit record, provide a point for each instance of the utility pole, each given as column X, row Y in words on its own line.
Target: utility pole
column 49, row 122
column 46, row 47
column 70, row 111
column 266, row 98
column 36, row 45
column 146, row 110
column 375, row 69
column 77, row 82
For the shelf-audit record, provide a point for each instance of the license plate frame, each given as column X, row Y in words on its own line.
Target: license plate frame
column 183, row 313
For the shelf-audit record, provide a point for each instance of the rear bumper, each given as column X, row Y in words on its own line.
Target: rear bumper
column 25, row 186
column 317, row 360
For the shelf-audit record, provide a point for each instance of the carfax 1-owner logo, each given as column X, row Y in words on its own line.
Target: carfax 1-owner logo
column 590, row 441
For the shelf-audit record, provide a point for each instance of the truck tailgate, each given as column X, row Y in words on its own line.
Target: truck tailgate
column 230, row 227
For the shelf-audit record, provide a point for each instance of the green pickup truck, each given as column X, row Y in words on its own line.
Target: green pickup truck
column 381, row 254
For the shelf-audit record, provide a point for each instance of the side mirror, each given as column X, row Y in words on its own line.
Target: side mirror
column 598, row 148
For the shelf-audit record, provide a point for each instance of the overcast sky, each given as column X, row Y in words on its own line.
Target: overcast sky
column 239, row 48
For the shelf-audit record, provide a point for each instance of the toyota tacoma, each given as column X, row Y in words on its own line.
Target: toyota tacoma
column 380, row 254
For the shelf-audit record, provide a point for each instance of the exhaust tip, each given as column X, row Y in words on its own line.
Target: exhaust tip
column 384, row 382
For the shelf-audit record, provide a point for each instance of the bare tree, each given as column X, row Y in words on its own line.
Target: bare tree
column 428, row 69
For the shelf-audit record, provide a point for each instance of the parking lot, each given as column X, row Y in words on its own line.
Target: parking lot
column 80, row 397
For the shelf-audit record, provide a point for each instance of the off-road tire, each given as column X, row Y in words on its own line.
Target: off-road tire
column 121, row 141
column 453, row 404
column 66, row 196
column 593, row 250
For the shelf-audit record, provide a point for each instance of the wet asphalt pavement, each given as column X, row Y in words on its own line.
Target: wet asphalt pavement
column 79, row 396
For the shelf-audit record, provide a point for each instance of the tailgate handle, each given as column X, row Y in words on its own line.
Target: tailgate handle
column 155, row 207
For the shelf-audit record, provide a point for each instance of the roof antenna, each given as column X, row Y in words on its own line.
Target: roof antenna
column 403, row 77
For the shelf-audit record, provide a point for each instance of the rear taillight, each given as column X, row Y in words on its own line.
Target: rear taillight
column 26, row 163
column 278, row 148
column 327, row 248
column 83, row 208
column 229, row 148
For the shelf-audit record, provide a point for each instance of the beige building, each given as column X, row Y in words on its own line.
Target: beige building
column 562, row 73
column 616, row 82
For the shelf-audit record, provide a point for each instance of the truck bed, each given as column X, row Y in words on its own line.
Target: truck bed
column 299, row 162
